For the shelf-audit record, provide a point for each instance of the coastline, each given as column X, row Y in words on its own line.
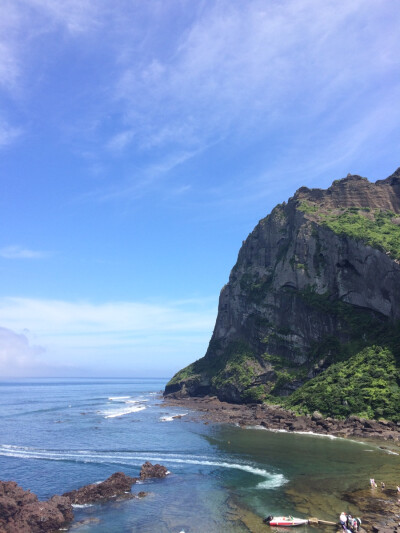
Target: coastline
column 380, row 509
column 275, row 418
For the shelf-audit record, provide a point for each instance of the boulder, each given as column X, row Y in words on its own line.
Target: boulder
column 116, row 485
column 316, row 416
column 152, row 471
column 22, row 512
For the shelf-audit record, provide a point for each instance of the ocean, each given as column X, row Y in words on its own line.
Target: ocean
column 57, row 435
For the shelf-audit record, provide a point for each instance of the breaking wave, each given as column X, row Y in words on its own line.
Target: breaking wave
column 171, row 417
column 271, row 480
column 124, row 411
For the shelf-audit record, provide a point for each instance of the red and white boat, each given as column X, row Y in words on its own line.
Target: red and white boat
column 285, row 521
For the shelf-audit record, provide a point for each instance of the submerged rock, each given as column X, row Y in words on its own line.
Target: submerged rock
column 22, row 512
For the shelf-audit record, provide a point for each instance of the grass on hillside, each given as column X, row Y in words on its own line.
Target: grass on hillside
column 377, row 228
column 366, row 385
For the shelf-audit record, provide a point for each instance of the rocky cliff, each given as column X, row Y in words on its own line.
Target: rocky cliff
column 316, row 283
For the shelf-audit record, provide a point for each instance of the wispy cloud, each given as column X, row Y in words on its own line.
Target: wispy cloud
column 88, row 334
column 17, row 354
column 54, row 316
column 258, row 71
column 233, row 65
column 185, row 76
column 19, row 252
column 22, row 357
column 77, row 16
column 8, row 133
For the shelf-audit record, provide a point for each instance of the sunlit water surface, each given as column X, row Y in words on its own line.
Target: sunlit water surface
column 57, row 435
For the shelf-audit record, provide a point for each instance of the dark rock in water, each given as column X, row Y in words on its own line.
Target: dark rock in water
column 86, row 522
column 116, row 485
column 22, row 512
column 148, row 471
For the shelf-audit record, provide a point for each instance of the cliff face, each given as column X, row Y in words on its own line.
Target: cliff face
column 316, row 280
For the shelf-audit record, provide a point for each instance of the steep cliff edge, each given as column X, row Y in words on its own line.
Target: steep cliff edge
column 315, row 287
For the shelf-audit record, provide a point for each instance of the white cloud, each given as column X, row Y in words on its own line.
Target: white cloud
column 18, row 252
column 120, row 141
column 54, row 317
column 8, row 133
column 113, row 335
column 77, row 16
column 185, row 76
column 251, row 62
column 17, row 354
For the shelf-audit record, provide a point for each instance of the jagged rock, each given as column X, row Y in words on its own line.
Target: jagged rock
column 116, row 485
column 279, row 309
column 22, row 512
column 316, row 416
column 299, row 425
column 153, row 471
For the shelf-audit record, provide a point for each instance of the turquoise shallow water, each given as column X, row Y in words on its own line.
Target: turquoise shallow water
column 57, row 435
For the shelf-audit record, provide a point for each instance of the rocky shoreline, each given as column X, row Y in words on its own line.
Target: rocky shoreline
column 22, row 512
column 380, row 508
column 274, row 417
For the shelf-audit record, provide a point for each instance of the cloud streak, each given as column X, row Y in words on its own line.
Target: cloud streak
column 88, row 335
column 19, row 252
column 17, row 355
column 186, row 76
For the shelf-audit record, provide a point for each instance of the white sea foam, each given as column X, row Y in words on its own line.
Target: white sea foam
column 271, row 480
column 310, row 433
column 276, row 481
column 123, row 412
column 172, row 417
column 81, row 506
column 116, row 398
column 390, row 452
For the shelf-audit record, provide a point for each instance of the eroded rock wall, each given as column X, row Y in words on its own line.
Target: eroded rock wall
column 292, row 277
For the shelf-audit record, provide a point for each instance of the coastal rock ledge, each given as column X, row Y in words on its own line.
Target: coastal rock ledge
column 276, row 418
column 22, row 512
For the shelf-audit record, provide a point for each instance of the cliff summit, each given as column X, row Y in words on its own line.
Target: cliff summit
column 310, row 315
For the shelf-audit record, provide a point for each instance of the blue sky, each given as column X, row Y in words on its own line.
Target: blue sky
column 140, row 143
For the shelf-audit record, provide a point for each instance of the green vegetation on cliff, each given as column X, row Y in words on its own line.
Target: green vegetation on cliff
column 366, row 385
column 377, row 228
column 362, row 327
column 234, row 369
column 300, row 344
column 364, row 373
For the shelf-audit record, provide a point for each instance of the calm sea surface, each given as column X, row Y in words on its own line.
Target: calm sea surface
column 59, row 434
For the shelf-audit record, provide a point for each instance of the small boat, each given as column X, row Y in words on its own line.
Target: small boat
column 285, row 521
